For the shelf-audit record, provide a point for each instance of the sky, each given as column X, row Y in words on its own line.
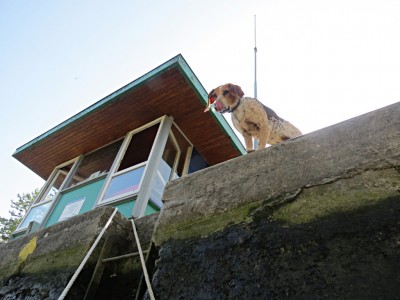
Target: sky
column 319, row 62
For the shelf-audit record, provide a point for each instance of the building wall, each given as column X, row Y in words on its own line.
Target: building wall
column 89, row 192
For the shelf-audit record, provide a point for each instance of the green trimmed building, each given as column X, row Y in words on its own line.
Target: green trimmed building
column 122, row 150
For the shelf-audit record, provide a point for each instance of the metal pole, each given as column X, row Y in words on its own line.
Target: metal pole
column 255, row 58
column 145, row 273
column 255, row 142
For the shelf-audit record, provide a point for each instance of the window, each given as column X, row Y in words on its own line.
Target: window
column 125, row 183
column 126, row 180
column 186, row 150
column 166, row 170
column 46, row 196
column 95, row 164
column 197, row 162
column 36, row 214
column 54, row 184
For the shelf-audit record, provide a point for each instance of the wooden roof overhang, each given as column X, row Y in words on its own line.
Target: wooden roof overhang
column 171, row 89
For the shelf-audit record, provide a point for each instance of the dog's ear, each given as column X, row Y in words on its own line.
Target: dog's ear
column 235, row 90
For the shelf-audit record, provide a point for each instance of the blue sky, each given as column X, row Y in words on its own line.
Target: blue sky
column 319, row 62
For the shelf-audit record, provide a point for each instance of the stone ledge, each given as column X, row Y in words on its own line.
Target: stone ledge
column 48, row 257
column 209, row 200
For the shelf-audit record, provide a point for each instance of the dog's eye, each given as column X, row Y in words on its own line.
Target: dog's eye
column 226, row 92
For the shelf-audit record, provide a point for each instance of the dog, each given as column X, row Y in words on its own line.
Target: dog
column 250, row 117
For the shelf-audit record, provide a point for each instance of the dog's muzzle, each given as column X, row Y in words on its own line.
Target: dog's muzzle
column 219, row 107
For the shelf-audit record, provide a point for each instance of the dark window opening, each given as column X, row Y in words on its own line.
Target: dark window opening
column 96, row 163
column 139, row 148
column 197, row 162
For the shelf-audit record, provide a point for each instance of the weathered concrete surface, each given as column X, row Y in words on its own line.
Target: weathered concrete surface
column 230, row 189
column 315, row 217
column 39, row 265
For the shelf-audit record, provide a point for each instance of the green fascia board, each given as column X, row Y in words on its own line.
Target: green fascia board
column 177, row 61
column 203, row 95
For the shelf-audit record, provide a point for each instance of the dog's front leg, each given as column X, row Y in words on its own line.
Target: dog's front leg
column 248, row 141
column 265, row 131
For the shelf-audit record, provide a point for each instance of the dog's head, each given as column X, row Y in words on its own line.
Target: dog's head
column 225, row 97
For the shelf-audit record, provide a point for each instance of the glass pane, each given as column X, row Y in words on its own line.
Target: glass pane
column 164, row 172
column 184, row 146
column 36, row 214
column 162, row 177
column 57, row 182
column 50, row 195
column 96, row 163
column 124, row 184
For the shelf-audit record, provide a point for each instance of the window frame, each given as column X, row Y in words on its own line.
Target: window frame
column 128, row 194
column 174, row 167
column 189, row 150
column 45, row 189
column 143, row 196
column 88, row 180
column 117, row 161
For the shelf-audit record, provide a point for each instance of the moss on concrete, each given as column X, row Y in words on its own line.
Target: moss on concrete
column 299, row 207
column 344, row 195
column 348, row 255
column 66, row 258
column 205, row 226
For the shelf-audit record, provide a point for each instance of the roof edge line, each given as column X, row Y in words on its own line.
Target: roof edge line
column 203, row 95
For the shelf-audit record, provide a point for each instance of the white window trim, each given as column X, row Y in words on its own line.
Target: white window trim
column 128, row 194
column 177, row 156
column 156, row 152
column 185, row 170
column 157, row 202
column 19, row 229
column 45, row 189
column 117, row 161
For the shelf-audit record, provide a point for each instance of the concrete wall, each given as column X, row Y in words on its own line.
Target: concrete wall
column 314, row 217
column 40, row 265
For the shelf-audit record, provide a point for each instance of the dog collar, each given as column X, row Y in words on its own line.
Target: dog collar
column 230, row 110
column 234, row 108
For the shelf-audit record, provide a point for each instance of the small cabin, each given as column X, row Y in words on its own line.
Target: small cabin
column 122, row 150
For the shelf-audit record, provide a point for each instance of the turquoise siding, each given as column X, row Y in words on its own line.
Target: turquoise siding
column 151, row 209
column 90, row 191
column 126, row 208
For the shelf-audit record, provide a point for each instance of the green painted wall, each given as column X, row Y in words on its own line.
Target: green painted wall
column 151, row 209
column 90, row 191
column 125, row 208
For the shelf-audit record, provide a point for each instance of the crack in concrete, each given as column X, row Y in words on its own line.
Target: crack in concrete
column 290, row 197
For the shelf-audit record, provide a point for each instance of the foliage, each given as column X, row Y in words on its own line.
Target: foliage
column 17, row 212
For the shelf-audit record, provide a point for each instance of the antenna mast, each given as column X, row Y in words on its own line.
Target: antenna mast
column 255, row 58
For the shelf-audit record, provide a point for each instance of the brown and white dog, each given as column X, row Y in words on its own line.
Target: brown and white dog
column 250, row 117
